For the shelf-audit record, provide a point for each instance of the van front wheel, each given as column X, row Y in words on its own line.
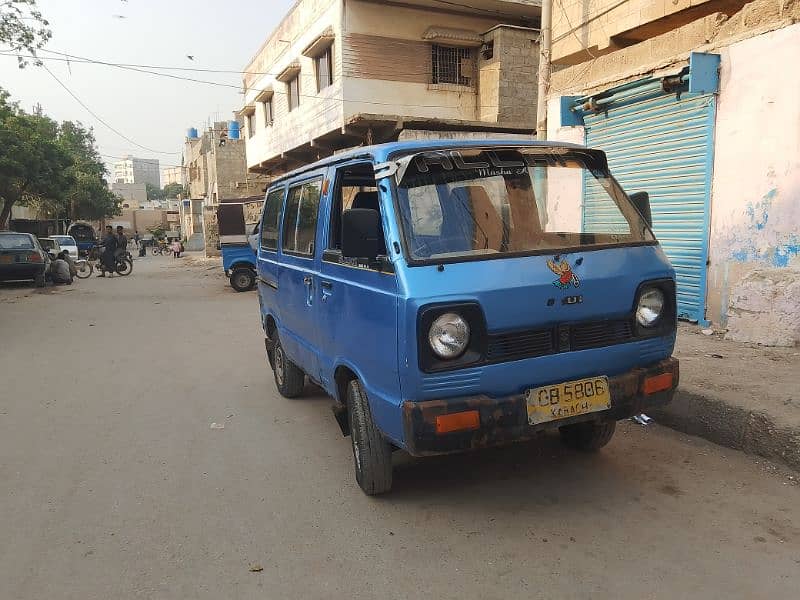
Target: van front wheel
column 289, row 378
column 589, row 436
column 372, row 454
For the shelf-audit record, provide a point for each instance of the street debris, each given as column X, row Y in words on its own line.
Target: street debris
column 707, row 332
column 715, row 355
column 641, row 419
column 218, row 426
column 256, row 568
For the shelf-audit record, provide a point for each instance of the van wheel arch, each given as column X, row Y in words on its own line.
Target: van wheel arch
column 270, row 332
column 342, row 377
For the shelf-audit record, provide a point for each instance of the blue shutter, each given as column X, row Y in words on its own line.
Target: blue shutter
column 661, row 144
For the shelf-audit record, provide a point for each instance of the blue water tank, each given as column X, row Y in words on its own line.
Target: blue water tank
column 233, row 130
column 191, row 133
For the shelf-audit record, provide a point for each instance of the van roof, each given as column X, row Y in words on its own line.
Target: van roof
column 380, row 152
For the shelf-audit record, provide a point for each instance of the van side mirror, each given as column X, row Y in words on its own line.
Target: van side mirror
column 361, row 228
column 641, row 200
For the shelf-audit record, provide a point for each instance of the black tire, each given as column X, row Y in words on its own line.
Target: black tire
column 124, row 267
column 289, row 378
column 84, row 270
column 243, row 279
column 589, row 436
column 39, row 280
column 155, row 251
column 372, row 454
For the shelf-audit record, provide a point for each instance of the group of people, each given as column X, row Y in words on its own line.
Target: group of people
column 114, row 246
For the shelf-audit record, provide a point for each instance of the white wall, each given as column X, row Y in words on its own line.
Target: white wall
column 756, row 184
column 564, row 186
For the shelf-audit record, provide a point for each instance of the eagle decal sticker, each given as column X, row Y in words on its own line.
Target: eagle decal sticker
column 566, row 277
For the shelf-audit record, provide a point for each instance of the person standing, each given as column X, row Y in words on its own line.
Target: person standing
column 136, row 238
column 122, row 242
column 176, row 249
column 107, row 260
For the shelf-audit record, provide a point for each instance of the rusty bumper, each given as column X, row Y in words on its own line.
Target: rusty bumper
column 505, row 420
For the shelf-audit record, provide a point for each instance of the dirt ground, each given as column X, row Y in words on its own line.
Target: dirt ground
column 115, row 486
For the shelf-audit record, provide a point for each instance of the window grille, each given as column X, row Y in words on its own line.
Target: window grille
column 452, row 65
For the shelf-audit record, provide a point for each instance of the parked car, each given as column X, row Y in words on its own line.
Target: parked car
column 449, row 295
column 22, row 258
column 51, row 246
column 68, row 243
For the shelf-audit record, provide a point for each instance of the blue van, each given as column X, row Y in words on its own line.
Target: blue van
column 452, row 295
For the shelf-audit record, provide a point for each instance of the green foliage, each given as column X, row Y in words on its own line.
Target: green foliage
column 53, row 168
column 23, row 28
column 154, row 192
column 172, row 190
column 158, row 231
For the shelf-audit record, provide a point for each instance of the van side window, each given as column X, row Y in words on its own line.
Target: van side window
column 355, row 188
column 272, row 215
column 300, row 218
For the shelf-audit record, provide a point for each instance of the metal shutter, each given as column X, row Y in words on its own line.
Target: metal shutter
column 662, row 144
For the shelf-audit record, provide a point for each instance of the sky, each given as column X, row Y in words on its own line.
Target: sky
column 152, row 111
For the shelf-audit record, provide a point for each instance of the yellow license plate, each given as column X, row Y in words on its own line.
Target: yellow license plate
column 6, row 260
column 564, row 400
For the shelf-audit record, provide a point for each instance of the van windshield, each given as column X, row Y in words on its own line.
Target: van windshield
column 474, row 202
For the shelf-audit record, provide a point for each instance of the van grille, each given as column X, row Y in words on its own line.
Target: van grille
column 530, row 343
column 601, row 333
column 520, row 344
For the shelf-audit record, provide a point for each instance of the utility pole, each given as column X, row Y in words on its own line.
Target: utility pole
column 545, row 43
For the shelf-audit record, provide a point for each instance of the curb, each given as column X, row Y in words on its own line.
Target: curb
column 754, row 432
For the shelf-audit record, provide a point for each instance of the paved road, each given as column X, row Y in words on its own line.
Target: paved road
column 114, row 485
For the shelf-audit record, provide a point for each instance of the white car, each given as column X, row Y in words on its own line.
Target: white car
column 68, row 243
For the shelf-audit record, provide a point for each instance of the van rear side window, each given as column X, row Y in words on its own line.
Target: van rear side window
column 300, row 218
column 272, row 214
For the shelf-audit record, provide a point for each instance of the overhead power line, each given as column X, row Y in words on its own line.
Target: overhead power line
column 276, row 92
column 99, row 118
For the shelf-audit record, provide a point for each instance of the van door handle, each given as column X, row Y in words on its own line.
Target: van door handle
column 308, row 280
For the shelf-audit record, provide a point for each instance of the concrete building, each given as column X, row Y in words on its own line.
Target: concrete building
column 216, row 169
column 137, row 170
column 696, row 103
column 171, row 175
column 134, row 195
column 340, row 73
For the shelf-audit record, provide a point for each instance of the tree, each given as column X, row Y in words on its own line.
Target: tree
column 33, row 165
column 89, row 197
column 172, row 190
column 54, row 168
column 154, row 192
column 23, row 28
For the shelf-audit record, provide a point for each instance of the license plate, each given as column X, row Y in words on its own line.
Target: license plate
column 6, row 260
column 568, row 399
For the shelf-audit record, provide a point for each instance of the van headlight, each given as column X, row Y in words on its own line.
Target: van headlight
column 449, row 336
column 650, row 307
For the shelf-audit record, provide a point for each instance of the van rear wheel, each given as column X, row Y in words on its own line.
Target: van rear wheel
column 372, row 454
column 289, row 378
column 589, row 436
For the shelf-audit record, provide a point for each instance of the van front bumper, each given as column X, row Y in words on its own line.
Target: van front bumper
column 505, row 420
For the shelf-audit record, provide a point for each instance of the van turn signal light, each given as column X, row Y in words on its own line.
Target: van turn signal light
column 460, row 421
column 658, row 383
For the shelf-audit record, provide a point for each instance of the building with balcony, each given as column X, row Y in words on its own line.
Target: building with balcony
column 342, row 73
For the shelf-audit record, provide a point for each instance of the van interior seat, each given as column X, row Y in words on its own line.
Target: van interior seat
column 370, row 200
